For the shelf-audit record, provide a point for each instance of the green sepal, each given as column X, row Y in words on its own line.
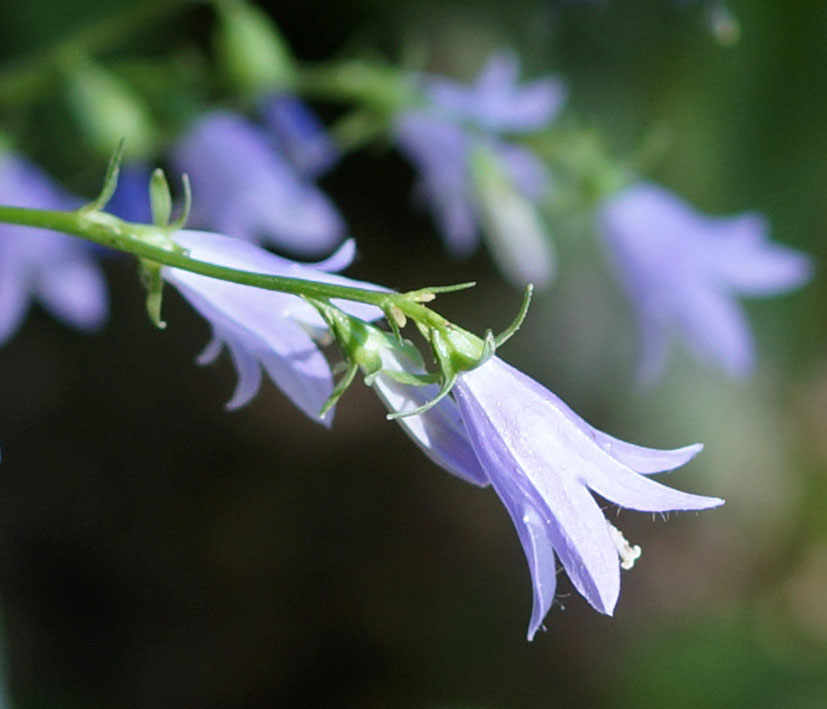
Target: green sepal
column 340, row 388
column 160, row 198
column 392, row 314
column 154, row 284
column 110, row 180
column 181, row 221
column 426, row 295
column 456, row 350
column 445, row 389
column 409, row 377
column 511, row 330
column 353, row 336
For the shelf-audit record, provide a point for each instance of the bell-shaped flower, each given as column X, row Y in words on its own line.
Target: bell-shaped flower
column 263, row 328
column 455, row 123
column 545, row 462
column 682, row 271
column 244, row 187
column 58, row 271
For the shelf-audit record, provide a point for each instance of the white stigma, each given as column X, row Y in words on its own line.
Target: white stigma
column 628, row 554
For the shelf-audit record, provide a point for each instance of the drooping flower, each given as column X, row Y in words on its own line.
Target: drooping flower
column 682, row 271
column 263, row 328
column 58, row 271
column 244, row 187
column 544, row 462
column 458, row 122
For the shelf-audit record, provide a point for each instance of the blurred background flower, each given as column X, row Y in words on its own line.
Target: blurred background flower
column 156, row 550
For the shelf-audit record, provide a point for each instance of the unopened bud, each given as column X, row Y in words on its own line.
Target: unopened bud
column 253, row 55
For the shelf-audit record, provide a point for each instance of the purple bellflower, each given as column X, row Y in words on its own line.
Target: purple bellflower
column 35, row 264
column 244, row 187
column 682, row 270
column 263, row 328
column 544, row 462
column 457, row 121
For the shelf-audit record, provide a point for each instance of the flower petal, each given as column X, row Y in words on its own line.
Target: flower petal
column 439, row 432
column 527, row 453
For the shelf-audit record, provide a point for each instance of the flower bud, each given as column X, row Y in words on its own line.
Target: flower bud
column 512, row 225
column 254, row 56
column 107, row 110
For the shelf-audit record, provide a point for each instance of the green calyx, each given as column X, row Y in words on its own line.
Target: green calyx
column 366, row 347
column 159, row 234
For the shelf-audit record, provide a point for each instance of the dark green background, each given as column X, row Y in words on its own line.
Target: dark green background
column 158, row 551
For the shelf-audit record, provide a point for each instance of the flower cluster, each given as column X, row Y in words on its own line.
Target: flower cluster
column 469, row 175
column 477, row 417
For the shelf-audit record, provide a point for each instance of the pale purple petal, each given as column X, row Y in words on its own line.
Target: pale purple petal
column 244, row 188
column 639, row 458
column 439, row 151
column 621, row 485
column 539, row 553
column 526, row 458
column 15, row 287
column 496, row 102
column 74, row 290
column 249, row 321
column 248, row 369
column 246, row 256
column 131, row 199
column 525, row 169
column 716, row 329
column 262, row 328
column 300, row 135
column 439, row 432
column 58, row 270
column 743, row 258
column 543, row 460
column 681, row 270
column 645, row 460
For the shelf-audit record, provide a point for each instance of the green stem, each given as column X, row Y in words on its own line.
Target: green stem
column 25, row 80
column 153, row 243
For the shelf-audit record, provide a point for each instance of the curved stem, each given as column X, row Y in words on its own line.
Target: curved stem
column 153, row 243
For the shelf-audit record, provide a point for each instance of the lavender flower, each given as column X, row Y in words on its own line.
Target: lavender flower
column 458, row 122
column 244, row 187
column 543, row 460
column 263, row 328
column 52, row 268
column 682, row 271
